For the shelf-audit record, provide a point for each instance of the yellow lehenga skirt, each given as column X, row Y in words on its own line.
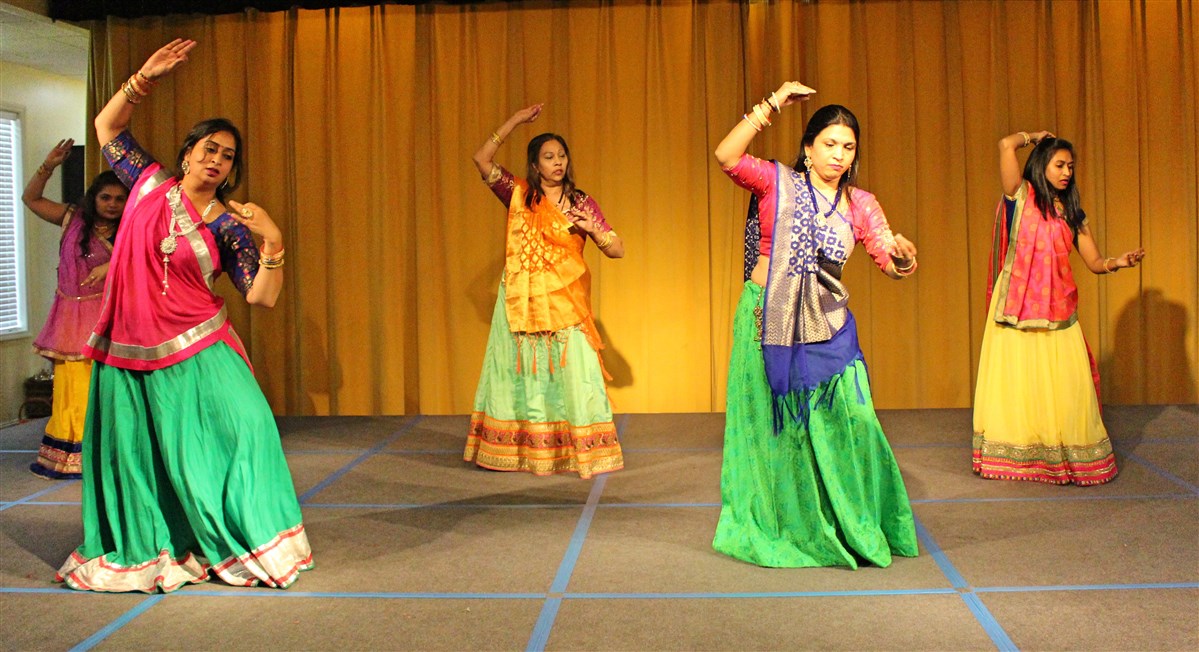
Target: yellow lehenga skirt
column 1036, row 409
column 60, row 455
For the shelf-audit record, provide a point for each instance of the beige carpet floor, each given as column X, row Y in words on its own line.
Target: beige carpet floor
column 416, row 550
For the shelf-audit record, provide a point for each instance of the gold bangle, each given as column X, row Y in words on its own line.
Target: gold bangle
column 774, row 101
column 130, row 95
column 746, row 118
column 495, row 138
column 1027, row 140
column 905, row 271
column 44, row 171
column 1106, row 269
column 761, row 115
column 609, row 238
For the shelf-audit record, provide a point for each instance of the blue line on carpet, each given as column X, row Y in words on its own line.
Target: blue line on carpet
column 655, row 505
column 983, row 615
column 951, row 573
column 443, row 505
column 57, row 485
column 545, row 622
column 762, row 594
column 268, row 593
column 567, row 567
column 1049, row 499
column 14, row 452
column 333, row 477
column 991, row 626
column 1089, row 587
column 1158, row 470
column 91, row 641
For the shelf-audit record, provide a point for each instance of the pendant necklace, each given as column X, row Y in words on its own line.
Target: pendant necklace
column 807, row 177
column 180, row 224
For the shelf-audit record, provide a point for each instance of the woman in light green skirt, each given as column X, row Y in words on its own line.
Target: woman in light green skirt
column 808, row 478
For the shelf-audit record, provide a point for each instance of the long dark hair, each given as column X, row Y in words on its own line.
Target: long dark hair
column 88, row 211
column 198, row 133
column 569, row 190
column 824, row 117
column 1044, row 194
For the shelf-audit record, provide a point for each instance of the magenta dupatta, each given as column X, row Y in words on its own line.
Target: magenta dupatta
column 140, row 327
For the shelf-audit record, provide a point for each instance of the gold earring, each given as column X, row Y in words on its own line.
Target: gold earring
column 184, row 167
column 807, row 162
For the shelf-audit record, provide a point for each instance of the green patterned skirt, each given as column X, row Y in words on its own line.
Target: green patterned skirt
column 827, row 493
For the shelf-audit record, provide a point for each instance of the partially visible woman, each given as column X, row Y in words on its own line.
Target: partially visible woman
column 808, row 478
column 542, row 404
column 183, row 470
column 1036, row 404
column 88, row 232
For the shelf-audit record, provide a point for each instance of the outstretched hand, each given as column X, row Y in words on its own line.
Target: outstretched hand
column 791, row 92
column 1130, row 259
column 60, row 153
column 527, row 114
column 904, row 250
column 167, row 58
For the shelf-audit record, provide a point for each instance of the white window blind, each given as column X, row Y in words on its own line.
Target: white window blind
column 12, row 263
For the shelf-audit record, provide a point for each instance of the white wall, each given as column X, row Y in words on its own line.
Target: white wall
column 52, row 108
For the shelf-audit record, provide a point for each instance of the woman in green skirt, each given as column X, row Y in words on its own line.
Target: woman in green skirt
column 808, row 478
column 183, row 471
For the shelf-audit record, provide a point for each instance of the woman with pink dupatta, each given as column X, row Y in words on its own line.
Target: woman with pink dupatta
column 183, row 471
column 1036, row 405
column 88, row 232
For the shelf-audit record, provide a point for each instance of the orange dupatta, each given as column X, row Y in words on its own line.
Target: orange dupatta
column 547, row 283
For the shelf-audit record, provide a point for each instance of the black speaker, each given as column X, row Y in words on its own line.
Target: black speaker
column 73, row 183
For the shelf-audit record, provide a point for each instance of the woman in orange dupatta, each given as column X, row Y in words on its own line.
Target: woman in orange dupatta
column 1036, row 406
column 542, row 405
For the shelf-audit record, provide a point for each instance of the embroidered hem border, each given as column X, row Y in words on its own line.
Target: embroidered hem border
column 58, row 459
column 275, row 564
column 543, row 448
column 1081, row 465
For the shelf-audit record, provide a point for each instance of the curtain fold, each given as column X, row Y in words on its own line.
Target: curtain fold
column 360, row 123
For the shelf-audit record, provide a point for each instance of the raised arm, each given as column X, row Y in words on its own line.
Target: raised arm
column 1010, row 174
column 486, row 155
column 1096, row 262
column 47, row 209
column 114, row 117
column 729, row 151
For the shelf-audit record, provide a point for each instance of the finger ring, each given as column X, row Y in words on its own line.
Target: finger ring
column 245, row 212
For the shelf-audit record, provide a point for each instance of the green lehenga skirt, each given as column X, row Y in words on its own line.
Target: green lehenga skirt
column 825, row 494
column 183, row 475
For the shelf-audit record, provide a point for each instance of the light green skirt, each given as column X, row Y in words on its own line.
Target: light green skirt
column 825, row 494
column 184, row 474
column 541, row 406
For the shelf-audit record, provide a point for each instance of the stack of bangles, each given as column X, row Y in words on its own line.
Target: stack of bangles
column 271, row 262
column 137, row 87
column 608, row 238
column 905, row 271
column 763, row 115
column 1107, row 269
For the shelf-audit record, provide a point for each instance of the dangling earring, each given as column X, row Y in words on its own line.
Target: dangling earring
column 807, row 162
column 225, row 184
column 185, row 167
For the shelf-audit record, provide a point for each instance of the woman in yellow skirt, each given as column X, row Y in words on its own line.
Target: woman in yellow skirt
column 1036, row 405
column 84, row 250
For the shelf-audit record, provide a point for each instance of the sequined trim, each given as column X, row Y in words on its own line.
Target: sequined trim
column 195, row 238
column 165, row 349
column 86, row 297
column 543, row 448
column 1082, row 465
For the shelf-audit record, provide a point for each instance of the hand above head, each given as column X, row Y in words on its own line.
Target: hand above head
column 1035, row 137
column 255, row 218
column 166, row 59
column 59, row 153
column 791, row 92
column 904, row 250
column 527, row 114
